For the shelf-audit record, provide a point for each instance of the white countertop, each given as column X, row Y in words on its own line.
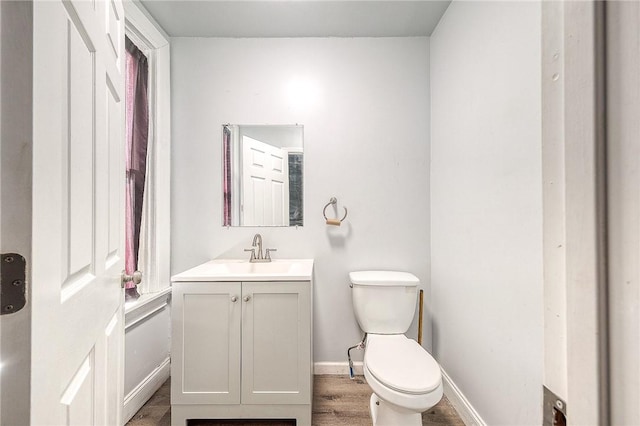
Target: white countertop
column 242, row 270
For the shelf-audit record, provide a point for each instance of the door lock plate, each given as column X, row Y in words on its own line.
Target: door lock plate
column 555, row 409
column 12, row 283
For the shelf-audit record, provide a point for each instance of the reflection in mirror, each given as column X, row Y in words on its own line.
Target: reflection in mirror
column 262, row 183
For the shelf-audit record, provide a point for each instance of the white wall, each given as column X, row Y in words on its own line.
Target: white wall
column 278, row 136
column 147, row 349
column 366, row 128
column 486, row 216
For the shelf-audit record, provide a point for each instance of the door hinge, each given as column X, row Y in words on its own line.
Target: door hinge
column 12, row 283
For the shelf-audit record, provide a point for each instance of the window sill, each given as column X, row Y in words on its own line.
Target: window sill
column 145, row 306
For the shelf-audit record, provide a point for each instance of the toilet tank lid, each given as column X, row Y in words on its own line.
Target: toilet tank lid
column 384, row 278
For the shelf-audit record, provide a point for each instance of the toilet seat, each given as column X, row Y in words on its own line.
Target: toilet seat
column 401, row 364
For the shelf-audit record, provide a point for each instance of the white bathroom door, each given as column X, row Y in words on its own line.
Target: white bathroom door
column 78, row 212
column 265, row 184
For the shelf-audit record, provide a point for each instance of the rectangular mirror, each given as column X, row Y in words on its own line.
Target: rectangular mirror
column 262, row 182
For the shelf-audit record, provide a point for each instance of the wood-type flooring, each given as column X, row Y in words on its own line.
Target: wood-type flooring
column 337, row 401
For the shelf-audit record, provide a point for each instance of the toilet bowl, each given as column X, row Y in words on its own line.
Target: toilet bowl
column 404, row 377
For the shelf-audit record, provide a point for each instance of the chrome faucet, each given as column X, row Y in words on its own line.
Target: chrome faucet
column 257, row 256
column 257, row 239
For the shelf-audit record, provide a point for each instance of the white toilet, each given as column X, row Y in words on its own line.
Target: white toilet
column 404, row 377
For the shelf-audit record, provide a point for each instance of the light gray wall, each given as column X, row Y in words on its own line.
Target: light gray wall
column 366, row 129
column 486, row 216
column 16, row 48
column 623, row 170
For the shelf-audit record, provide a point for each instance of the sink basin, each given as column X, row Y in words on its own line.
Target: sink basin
column 243, row 270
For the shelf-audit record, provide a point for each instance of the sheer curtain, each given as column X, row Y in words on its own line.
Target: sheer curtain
column 137, row 123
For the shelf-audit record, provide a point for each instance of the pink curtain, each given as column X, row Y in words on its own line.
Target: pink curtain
column 226, row 180
column 137, row 124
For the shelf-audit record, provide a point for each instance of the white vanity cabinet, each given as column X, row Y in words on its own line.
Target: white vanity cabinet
column 241, row 349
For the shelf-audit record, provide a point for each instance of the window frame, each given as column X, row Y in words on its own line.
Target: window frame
column 154, row 254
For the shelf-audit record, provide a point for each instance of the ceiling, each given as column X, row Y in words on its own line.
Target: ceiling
column 297, row 18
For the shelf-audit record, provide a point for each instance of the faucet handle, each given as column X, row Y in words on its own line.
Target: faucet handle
column 253, row 253
column 267, row 255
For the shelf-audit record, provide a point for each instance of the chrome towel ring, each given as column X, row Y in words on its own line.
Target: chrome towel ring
column 336, row 221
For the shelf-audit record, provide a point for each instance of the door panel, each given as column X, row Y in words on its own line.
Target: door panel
column 265, row 181
column 114, row 390
column 114, row 173
column 78, row 187
column 114, row 29
column 77, row 398
column 78, row 190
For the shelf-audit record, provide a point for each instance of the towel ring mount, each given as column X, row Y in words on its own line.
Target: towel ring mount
column 333, row 201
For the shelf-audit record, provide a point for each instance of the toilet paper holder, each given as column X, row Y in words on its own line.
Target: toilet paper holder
column 336, row 221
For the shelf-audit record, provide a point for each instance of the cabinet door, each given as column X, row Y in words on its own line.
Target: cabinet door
column 205, row 367
column 276, row 343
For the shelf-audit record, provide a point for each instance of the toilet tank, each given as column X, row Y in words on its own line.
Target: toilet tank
column 384, row 302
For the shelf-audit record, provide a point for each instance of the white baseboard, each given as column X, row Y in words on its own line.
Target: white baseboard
column 336, row 368
column 469, row 415
column 145, row 390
